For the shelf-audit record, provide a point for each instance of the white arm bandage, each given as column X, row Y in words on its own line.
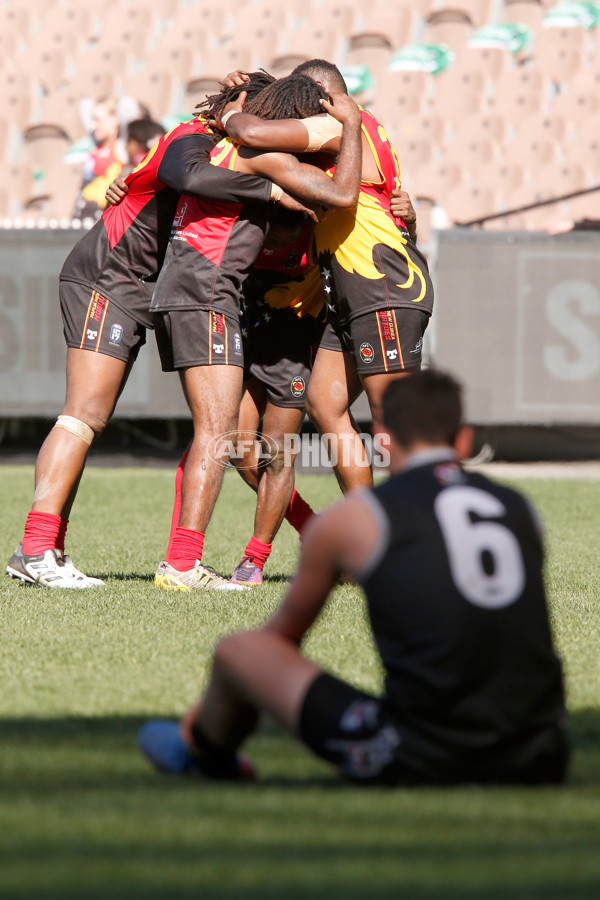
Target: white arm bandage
column 321, row 129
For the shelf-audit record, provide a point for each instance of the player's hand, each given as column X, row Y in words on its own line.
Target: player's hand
column 236, row 105
column 236, row 79
column 343, row 108
column 315, row 213
column 116, row 191
column 402, row 207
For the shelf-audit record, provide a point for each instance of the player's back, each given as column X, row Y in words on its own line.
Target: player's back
column 374, row 263
column 211, row 248
column 458, row 610
column 122, row 254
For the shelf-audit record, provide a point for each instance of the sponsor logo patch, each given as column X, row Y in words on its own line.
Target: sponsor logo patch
column 116, row 334
column 217, row 323
column 91, row 335
column 237, row 344
column 298, row 386
column 97, row 306
column 218, row 348
column 367, row 354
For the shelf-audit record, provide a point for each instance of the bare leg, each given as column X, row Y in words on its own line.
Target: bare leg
column 94, row 383
column 376, row 386
column 213, row 394
column 332, row 389
column 252, row 671
column 276, row 482
column 252, row 409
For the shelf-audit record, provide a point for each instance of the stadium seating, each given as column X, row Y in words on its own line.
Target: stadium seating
column 491, row 127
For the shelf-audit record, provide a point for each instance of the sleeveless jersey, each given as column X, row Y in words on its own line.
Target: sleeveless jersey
column 458, row 610
column 211, row 249
column 367, row 261
column 122, row 254
column 120, row 257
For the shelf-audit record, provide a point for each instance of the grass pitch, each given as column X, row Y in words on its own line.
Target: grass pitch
column 82, row 815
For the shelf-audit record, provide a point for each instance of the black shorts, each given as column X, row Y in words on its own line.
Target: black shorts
column 360, row 735
column 197, row 337
column 279, row 350
column 385, row 340
column 93, row 322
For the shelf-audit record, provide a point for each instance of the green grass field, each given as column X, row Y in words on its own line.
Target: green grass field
column 82, row 814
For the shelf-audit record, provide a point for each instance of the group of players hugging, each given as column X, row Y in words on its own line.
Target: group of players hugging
column 269, row 245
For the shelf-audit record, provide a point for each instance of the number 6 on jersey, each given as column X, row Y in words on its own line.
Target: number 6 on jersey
column 485, row 558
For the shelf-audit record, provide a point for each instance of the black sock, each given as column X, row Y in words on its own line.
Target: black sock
column 216, row 761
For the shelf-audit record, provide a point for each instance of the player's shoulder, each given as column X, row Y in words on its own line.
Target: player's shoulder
column 511, row 497
column 191, row 127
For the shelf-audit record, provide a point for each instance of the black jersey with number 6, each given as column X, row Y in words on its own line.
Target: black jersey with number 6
column 458, row 610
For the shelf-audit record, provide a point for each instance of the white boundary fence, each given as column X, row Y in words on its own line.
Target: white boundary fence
column 517, row 318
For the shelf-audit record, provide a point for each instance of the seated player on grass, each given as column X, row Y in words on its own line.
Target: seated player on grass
column 451, row 564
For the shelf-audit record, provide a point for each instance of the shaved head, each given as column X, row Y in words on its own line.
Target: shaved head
column 324, row 73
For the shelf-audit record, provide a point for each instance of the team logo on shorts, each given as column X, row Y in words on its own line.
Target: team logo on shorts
column 293, row 260
column 298, row 386
column 367, row 353
column 116, row 334
column 360, row 714
column 237, row 344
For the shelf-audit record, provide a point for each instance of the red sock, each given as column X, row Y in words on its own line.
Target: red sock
column 258, row 551
column 298, row 512
column 60, row 537
column 41, row 532
column 177, row 504
column 186, row 548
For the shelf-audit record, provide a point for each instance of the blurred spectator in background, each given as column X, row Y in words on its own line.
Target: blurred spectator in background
column 103, row 163
column 141, row 135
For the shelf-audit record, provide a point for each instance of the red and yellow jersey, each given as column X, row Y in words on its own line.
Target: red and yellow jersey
column 121, row 255
column 288, row 274
column 213, row 244
column 368, row 261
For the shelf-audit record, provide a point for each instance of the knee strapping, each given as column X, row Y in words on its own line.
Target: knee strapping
column 77, row 427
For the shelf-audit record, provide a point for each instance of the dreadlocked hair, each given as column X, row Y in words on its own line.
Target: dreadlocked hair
column 293, row 97
column 216, row 103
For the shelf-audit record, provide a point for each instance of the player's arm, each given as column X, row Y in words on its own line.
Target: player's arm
column 308, row 135
column 318, row 572
column 401, row 207
column 344, row 540
column 186, row 168
column 309, row 183
column 290, row 135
